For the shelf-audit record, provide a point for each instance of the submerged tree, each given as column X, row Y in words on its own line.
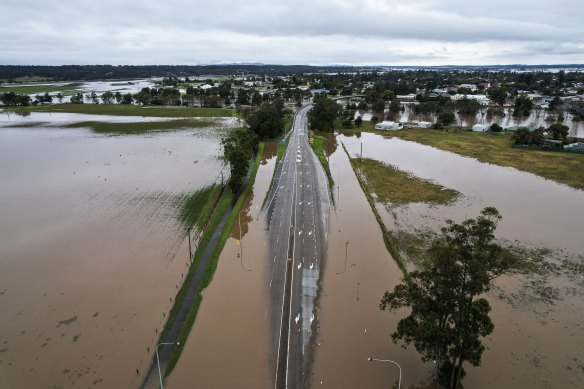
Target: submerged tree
column 448, row 317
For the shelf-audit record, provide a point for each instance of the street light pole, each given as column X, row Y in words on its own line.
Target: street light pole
column 394, row 362
column 158, row 361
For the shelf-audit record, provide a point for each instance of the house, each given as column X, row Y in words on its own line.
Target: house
column 424, row 124
column 480, row 127
column 410, row 97
column 385, row 125
column 468, row 86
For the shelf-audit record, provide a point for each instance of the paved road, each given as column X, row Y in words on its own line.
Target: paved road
column 297, row 212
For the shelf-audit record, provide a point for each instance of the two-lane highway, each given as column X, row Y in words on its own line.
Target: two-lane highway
column 297, row 212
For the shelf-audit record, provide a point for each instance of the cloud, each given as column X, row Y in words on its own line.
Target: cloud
column 425, row 32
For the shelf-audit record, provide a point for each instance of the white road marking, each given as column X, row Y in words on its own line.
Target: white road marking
column 297, row 318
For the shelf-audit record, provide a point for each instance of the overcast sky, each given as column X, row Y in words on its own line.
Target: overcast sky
column 319, row 32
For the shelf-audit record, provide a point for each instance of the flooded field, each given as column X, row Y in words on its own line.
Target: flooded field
column 538, row 317
column 229, row 344
column 358, row 271
column 91, row 249
column 537, row 118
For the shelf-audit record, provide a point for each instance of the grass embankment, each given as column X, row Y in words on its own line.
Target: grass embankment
column 196, row 208
column 223, row 204
column 388, row 238
column 391, row 185
column 65, row 89
column 565, row 168
column 317, row 144
column 129, row 110
column 139, row 127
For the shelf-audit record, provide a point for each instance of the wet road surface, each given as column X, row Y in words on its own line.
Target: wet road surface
column 297, row 215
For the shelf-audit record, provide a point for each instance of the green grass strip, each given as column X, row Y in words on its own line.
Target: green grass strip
column 317, row 144
column 226, row 199
column 388, row 238
column 129, row 110
column 395, row 186
column 196, row 208
column 40, row 88
column 140, row 127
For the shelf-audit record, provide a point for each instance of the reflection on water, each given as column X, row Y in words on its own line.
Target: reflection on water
column 91, row 250
column 536, row 343
column 537, row 118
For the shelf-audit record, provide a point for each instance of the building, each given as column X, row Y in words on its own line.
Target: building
column 385, row 125
column 480, row 127
column 410, row 97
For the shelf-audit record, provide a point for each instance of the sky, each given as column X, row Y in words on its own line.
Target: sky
column 313, row 32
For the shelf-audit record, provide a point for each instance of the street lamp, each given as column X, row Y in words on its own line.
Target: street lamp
column 158, row 361
column 346, row 248
column 389, row 360
column 241, row 243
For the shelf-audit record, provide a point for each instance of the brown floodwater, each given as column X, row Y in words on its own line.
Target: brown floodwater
column 351, row 327
column 536, row 118
column 537, row 340
column 229, row 344
column 91, row 250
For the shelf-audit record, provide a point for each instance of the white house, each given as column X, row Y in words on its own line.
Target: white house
column 424, row 124
column 385, row 125
column 480, row 127
column 410, row 97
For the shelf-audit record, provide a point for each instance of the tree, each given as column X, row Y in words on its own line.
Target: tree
column 127, row 99
column 238, row 148
column 362, row 106
column 496, row 128
column 77, row 98
column 498, row 95
column 525, row 137
column 268, row 120
column 358, row 121
column 379, row 106
column 394, row 106
column 558, row 131
column 555, row 103
column 256, row 98
column 323, row 114
column 446, row 118
column 107, row 97
column 523, row 106
column 448, row 317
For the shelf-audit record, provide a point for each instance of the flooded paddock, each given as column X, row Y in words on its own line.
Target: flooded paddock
column 538, row 319
column 229, row 344
column 358, row 270
column 91, row 249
